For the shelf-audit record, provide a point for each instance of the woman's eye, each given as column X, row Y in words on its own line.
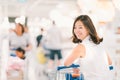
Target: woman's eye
column 80, row 27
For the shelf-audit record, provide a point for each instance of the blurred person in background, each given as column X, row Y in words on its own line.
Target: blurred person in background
column 17, row 64
column 18, row 38
column 90, row 54
column 20, row 57
column 118, row 30
column 54, row 45
column 39, row 37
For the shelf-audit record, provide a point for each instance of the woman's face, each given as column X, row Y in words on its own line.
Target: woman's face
column 80, row 31
column 18, row 28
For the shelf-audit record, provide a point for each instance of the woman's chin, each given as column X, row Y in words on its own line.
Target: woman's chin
column 79, row 38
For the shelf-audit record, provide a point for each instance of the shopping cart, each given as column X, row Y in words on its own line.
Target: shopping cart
column 65, row 73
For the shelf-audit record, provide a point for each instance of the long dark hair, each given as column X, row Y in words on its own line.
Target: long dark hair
column 87, row 22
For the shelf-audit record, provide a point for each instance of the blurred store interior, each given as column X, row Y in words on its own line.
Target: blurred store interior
column 37, row 14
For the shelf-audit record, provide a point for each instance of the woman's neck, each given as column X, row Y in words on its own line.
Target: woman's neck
column 19, row 33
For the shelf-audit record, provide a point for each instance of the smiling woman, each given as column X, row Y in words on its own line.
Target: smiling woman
column 80, row 31
column 93, row 60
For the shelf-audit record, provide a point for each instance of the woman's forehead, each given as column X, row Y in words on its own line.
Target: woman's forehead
column 78, row 23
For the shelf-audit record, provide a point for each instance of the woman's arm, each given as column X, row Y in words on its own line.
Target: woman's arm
column 109, row 60
column 29, row 42
column 78, row 51
column 29, row 47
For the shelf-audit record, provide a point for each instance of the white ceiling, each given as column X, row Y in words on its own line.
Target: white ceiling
column 31, row 8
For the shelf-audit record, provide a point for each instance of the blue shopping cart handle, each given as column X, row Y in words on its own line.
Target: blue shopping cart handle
column 110, row 67
column 71, row 66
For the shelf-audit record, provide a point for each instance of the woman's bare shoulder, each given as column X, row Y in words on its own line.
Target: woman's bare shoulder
column 79, row 47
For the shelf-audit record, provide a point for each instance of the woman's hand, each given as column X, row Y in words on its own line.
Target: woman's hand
column 76, row 72
column 28, row 48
